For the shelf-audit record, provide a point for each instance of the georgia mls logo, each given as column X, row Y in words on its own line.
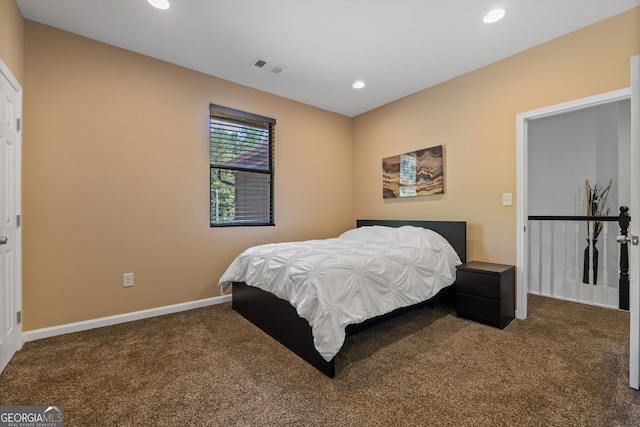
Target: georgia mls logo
column 31, row 416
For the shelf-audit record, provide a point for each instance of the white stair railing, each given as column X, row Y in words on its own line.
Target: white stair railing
column 557, row 266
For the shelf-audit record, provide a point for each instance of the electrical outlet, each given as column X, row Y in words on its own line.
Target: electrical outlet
column 127, row 280
column 507, row 199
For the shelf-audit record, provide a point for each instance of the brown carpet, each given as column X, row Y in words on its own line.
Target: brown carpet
column 566, row 365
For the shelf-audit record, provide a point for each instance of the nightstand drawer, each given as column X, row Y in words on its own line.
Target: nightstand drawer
column 478, row 283
column 477, row 308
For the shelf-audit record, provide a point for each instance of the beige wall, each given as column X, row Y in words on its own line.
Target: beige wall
column 116, row 179
column 474, row 117
column 12, row 38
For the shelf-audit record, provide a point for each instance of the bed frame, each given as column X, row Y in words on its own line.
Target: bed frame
column 280, row 320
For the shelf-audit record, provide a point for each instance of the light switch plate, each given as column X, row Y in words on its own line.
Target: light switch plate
column 507, row 199
column 127, row 280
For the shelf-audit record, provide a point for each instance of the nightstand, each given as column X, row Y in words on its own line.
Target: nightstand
column 485, row 292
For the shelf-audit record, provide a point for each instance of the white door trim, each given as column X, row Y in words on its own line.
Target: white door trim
column 634, row 229
column 522, row 120
column 6, row 74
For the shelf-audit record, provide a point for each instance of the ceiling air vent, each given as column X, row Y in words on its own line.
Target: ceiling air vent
column 270, row 66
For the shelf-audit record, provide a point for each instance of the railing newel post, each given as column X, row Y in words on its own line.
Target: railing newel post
column 623, row 284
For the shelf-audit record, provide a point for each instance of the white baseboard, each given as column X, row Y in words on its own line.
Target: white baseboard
column 120, row 318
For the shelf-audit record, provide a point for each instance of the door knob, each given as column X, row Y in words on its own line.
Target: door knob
column 628, row 239
column 3, row 240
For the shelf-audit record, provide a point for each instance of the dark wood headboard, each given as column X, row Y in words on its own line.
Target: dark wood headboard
column 454, row 231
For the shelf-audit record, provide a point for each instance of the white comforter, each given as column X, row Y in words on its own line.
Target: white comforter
column 363, row 273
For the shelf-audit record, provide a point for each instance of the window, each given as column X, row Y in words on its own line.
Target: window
column 241, row 163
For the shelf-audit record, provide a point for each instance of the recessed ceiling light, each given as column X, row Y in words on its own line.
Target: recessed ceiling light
column 159, row 4
column 358, row 85
column 494, row 16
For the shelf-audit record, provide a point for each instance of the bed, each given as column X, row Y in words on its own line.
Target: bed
column 267, row 303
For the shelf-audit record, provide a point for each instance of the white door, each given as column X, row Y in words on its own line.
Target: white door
column 634, row 229
column 10, row 243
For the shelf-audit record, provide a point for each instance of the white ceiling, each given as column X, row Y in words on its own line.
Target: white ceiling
column 397, row 47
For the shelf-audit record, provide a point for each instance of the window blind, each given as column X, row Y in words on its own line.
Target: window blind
column 241, row 165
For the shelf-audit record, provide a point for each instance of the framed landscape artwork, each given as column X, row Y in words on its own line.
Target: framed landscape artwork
column 418, row 173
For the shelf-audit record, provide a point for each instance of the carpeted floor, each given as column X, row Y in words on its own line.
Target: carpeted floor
column 566, row 365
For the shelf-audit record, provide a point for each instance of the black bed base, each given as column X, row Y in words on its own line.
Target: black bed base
column 280, row 320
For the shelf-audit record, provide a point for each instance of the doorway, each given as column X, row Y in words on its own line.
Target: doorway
column 573, row 157
column 523, row 122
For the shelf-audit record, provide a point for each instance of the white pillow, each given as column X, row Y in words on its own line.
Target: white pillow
column 407, row 234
